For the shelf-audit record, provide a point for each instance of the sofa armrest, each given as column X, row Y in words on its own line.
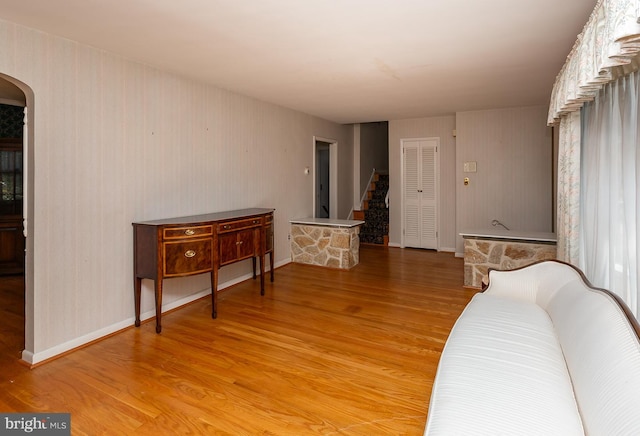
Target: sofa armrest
column 534, row 283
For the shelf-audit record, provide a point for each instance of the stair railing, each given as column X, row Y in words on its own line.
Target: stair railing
column 366, row 189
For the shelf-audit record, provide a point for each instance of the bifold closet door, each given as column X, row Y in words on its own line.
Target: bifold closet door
column 420, row 191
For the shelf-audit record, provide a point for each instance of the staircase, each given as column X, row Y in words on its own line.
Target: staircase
column 374, row 213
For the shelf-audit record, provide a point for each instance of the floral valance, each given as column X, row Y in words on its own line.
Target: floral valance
column 609, row 42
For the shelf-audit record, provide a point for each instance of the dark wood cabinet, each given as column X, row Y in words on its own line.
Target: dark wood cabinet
column 12, row 241
column 199, row 244
column 240, row 239
column 11, row 245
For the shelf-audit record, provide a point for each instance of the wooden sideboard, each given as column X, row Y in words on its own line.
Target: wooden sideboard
column 198, row 244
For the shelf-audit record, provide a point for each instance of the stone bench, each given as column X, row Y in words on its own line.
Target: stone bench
column 326, row 242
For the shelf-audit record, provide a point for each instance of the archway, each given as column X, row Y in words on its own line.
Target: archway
column 9, row 85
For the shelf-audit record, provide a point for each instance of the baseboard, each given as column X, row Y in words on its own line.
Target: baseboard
column 56, row 351
column 441, row 249
column 459, row 254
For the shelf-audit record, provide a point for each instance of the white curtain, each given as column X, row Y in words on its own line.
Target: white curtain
column 606, row 49
column 610, row 189
column 568, row 209
column 610, row 39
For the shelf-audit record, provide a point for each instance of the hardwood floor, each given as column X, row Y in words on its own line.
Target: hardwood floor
column 11, row 324
column 322, row 352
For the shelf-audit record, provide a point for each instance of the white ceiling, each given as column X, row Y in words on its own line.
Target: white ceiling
column 342, row 60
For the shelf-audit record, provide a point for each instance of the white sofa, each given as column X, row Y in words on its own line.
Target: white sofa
column 539, row 352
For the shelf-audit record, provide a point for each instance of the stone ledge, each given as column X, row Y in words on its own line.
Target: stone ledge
column 480, row 255
column 333, row 247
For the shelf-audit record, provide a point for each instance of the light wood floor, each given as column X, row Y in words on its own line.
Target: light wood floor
column 323, row 352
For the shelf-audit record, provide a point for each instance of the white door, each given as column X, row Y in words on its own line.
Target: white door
column 420, row 192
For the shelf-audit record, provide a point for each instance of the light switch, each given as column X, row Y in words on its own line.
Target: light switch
column 469, row 167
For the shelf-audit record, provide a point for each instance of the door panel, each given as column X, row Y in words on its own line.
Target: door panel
column 228, row 247
column 411, row 199
column 420, row 192
column 246, row 246
column 428, row 237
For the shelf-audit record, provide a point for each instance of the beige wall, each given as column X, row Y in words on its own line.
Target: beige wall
column 513, row 183
column 441, row 127
column 374, row 152
column 114, row 142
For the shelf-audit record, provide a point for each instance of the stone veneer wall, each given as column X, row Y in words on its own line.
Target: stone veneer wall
column 334, row 247
column 482, row 254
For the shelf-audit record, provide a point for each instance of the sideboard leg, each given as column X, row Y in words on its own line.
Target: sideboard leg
column 158, row 305
column 271, row 264
column 214, row 292
column 137, row 290
column 262, row 274
column 254, row 267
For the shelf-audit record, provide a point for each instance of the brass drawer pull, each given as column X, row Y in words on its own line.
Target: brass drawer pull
column 189, row 232
column 239, row 243
column 189, row 253
column 226, row 227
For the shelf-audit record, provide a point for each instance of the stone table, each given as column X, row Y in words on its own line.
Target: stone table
column 503, row 250
column 326, row 242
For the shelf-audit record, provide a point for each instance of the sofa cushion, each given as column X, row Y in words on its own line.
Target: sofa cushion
column 600, row 344
column 502, row 372
column 603, row 357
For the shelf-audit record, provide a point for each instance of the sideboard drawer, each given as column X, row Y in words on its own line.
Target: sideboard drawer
column 188, row 257
column 187, row 232
column 230, row 226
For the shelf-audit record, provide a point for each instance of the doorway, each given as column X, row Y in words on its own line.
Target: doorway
column 16, row 255
column 420, row 192
column 11, row 170
column 324, row 178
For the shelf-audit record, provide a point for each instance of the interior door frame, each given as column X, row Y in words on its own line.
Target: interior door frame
column 402, row 187
column 333, row 175
column 28, row 203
